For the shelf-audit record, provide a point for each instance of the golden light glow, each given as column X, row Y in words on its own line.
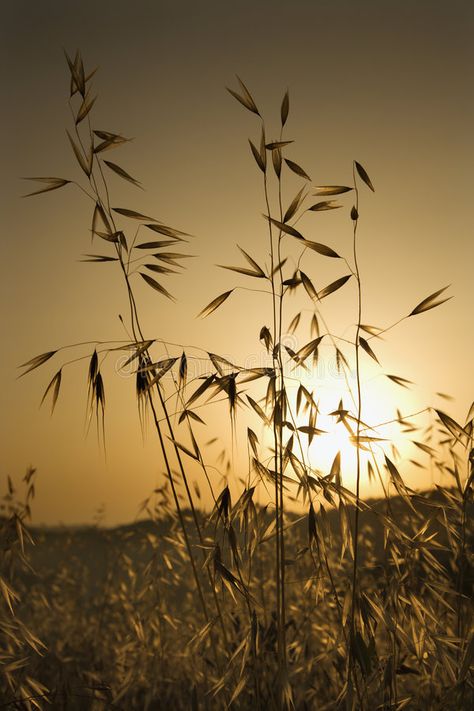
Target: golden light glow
column 337, row 411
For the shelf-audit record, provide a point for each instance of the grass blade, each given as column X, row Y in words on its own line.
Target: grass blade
column 429, row 302
column 331, row 189
column 403, row 382
column 98, row 258
column 324, row 205
column 54, row 385
column 364, row 344
column 36, row 362
column 285, row 228
column 85, row 107
column 131, row 213
column 308, row 285
column 363, row 174
column 321, row 249
column 297, row 169
column 215, row 303
column 256, row 154
column 245, row 98
column 51, row 184
column 86, row 165
column 334, row 286
column 121, row 172
column 285, row 107
column 155, row 285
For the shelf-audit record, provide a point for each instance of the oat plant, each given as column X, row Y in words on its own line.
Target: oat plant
column 150, row 258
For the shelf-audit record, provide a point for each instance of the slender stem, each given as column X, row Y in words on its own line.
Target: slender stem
column 279, row 562
column 178, row 509
column 351, row 665
column 389, row 328
column 280, row 430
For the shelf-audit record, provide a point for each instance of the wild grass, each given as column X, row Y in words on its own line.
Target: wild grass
column 341, row 603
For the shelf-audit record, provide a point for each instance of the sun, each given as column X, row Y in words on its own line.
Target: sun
column 337, row 425
column 339, row 439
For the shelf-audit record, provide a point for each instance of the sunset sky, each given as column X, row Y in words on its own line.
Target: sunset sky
column 388, row 84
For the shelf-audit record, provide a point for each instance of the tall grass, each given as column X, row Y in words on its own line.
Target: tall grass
column 346, row 604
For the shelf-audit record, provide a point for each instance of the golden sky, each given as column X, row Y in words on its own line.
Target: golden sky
column 386, row 83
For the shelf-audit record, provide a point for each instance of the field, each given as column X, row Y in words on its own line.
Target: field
column 116, row 613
